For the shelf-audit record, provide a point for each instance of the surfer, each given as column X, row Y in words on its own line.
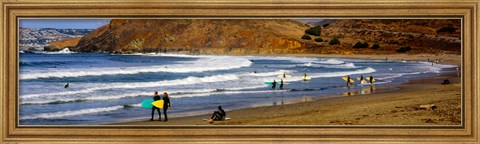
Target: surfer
column 274, row 84
column 284, row 76
column 361, row 81
column 67, row 85
column 371, row 79
column 166, row 105
column 155, row 98
column 219, row 114
column 281, row 84
column 348, row 80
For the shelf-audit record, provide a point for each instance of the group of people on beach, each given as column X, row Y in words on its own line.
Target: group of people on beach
column 217, row 115
column 166, row 106
column 370, row 80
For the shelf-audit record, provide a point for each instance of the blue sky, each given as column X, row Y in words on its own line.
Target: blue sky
column 63, row 23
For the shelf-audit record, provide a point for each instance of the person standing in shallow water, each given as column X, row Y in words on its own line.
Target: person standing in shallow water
column 274, row 84
column 348, row 80
column 155, row 98
column 281, row 84
column 166, row 104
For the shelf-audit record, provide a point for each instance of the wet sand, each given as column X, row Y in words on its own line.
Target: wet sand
column 387, row 105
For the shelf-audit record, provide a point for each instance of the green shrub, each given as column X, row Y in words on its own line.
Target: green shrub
column 449, row 29
column 375, row 46
column 404, row 49
column 313, row 31
column 318, row 40
column 306, row 37
column 334, row 41
column 360, row 45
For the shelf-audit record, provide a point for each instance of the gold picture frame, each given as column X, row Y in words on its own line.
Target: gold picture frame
column 467, row 10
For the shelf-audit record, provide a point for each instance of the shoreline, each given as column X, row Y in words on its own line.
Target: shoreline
column 310, row 112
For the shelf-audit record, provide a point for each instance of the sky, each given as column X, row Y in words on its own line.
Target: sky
column 63, row 23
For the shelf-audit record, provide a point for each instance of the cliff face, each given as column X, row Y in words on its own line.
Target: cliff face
column 197, row 36
column 423, row 35
column 257, row 36
column 65, row 43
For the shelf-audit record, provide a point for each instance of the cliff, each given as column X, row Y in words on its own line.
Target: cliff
column 423, row 35
column 206, row 36
column 281, row 36
column 60, row 44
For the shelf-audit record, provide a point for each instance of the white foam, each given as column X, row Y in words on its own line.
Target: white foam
column 185, row 81
column 70, row 113
column 212, row 63
column 337, row 74
column 63, row 51
column 331, row 61
column 275, row 73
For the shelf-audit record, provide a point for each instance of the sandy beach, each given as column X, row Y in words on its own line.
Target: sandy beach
column 400, row 104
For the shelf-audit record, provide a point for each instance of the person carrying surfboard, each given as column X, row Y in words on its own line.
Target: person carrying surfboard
column 281, row 84
column 166, row 105
column 274, row 84
column 155, row 98
column 348, row 80
column 371, row 79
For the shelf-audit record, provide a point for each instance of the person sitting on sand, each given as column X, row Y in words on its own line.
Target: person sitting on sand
column 155, row 98
column 67, row 85
column 166, row 105
column 219, row 115
column 281, row 84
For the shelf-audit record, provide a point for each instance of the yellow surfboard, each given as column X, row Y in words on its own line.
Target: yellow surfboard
column 345, row 79
column 368, row 79
column 305, row 78
column 158, row 103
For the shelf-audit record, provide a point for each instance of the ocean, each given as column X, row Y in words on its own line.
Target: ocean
column 108, row 88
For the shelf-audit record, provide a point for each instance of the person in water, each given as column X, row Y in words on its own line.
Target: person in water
column 281, row 84
column 348, row 80
column 371, row 79
column 284, row 76
column 219, row 114
column 67, row 85
column 155, row 98
column 361, row 81
column 274, row 84
column 166, row 104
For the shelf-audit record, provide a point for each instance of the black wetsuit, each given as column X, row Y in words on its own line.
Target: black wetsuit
column 166, row 104
column 281, row 84
column 155, row 98
column 371, row 80
column 274, row 84
column 219, row 115
column 348, row 81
